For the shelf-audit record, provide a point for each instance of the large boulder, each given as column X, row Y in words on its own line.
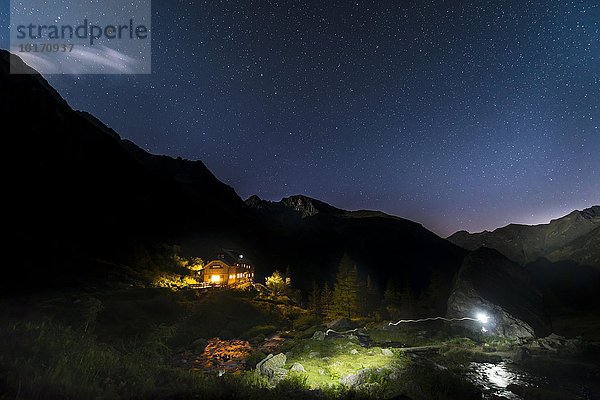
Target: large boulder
column 273, row 367
column 341, row 324
column 318, row 335
column 488, row 283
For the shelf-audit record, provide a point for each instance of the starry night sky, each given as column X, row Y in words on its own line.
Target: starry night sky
column 455, row 114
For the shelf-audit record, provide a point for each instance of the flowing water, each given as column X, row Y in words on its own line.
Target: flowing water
column 494, row 378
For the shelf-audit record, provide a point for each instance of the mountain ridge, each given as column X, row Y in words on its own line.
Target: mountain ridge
column 83, row 193
column 553, row 240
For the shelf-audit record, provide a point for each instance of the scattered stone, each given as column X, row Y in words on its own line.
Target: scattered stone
column 353, row 351
column 313, row 354
column 555, row 343
column 387, row 352
column 359, row 378
column 297, row 367
column 318, row 335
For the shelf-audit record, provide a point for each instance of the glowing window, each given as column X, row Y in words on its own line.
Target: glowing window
column 215, row 278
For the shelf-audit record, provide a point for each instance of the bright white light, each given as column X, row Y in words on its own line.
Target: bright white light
column 483, row 318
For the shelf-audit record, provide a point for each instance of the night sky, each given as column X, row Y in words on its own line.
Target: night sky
column 454, row 114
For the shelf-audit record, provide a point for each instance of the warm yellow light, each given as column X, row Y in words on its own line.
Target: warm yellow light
column 215, row 278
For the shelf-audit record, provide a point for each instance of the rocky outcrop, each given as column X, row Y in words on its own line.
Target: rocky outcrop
column 490, row 284
column 273, row 367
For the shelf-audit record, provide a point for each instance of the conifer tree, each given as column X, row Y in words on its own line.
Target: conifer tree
column 326, row 299
column 391, row 299
column 372, row 300
column 314, row 299
column 407, row 301
column 346, row 291
column 436, row 293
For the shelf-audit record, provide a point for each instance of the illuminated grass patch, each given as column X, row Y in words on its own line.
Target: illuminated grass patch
column 326, row 362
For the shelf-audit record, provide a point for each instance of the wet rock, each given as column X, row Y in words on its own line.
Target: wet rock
column 489, row 283
column 318, row 335
column 521, row 354
column 297, row 367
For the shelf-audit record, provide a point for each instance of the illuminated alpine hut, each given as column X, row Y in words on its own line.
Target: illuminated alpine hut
column 228, row 268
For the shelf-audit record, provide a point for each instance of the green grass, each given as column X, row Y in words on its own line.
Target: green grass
column 327, row 361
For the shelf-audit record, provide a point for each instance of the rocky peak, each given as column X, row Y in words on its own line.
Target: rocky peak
column 254, row 202
column 592, row 213
column 304, row 205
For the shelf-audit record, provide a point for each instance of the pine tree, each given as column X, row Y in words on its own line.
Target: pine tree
column 407, row 301
column 326, row 299
column 346, row 291
column 372, row 302
column 391, row 299
column 436, row 293
column 314, row 299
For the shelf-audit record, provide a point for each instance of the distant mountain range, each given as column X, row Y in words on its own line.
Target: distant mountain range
column 574, row 237
column 86, row 199
column 85, row 202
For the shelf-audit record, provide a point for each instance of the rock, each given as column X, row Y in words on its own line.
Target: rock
column 313, row 354
column 489, row 283
column 341, row 324
column 272, row 367
column 521, row 354
column 318, row 335
column 353, row 351
column 555, row 343
column 359, row 378
column 297, row 367
column 387, row 352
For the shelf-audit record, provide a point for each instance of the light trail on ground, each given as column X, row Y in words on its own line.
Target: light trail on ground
column 406, row 321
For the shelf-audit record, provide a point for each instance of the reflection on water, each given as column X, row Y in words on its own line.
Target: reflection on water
column 493, row 379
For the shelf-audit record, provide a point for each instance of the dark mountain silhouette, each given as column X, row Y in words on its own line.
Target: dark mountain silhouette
column 315, row 235
column 574, row 237
column 85, row 200
column 80, row 193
